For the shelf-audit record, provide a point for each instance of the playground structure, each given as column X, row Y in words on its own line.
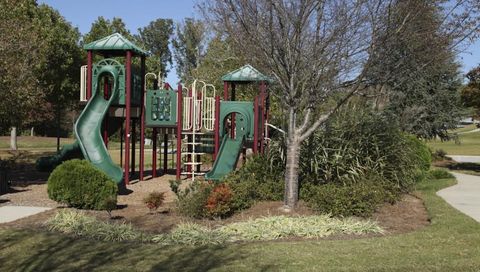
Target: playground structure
column 193, row 121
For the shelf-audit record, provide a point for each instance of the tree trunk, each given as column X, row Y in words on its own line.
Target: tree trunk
column 291, row 174
column 58, row 130
column 13, row 138
column 32, row 132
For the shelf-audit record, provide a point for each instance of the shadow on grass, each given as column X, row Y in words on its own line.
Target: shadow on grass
column 43, row 251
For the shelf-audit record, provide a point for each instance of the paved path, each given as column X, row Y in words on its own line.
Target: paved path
column 470, row 131
column 465, row 158
column 465, row 196
column 12, row 213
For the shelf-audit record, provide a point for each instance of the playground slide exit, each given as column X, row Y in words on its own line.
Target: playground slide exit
column 88, row 133
column 227, row 158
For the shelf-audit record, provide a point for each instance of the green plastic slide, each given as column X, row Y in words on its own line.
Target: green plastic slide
column 227, row 158
column 88, row 133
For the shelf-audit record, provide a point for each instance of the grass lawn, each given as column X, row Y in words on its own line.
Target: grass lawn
column 450, row 243
column 468, row 144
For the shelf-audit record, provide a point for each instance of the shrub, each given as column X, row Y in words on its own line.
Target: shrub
column 154, row 200
column 79, row 184
column 356, row 199
column 219, row 201
column 439, row 174
column 192, row 200
column 439, row 155
column 257, row 180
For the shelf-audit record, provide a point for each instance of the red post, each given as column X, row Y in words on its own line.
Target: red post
column 262, row 116
column 134, row 140
column 179, row 131
column 165, row 153
column 142, row 121
column 255, row 125
column 154, row 153
column 225, row 90
column 216, row 130
column 89, row 73
column 128, row 90
column 232, row 124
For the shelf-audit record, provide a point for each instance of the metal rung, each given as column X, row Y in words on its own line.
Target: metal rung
column 193, row 173
column 191, row 153
column 190, row 132
column 192, row 163
column 193, row 143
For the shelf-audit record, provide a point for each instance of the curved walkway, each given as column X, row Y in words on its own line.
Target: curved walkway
column 465, row 196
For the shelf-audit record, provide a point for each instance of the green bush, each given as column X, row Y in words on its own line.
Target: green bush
column 256, row 180
column 79, row 184
column 356, row 199
column 439, row 174
column 192, row 200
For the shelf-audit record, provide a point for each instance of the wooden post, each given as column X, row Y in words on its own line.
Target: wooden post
column 128, row 90
column 255, row 125
column 142, row 120
column 179, row 131
column 225, row 90
column 232, row 124
column 134, row 140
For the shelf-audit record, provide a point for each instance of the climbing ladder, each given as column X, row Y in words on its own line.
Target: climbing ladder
column 198, row 119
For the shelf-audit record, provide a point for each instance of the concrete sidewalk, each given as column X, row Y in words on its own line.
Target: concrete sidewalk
column 465, row 196
column 465, row 158
column 12, row 213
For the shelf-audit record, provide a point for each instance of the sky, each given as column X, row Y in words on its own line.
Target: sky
column 139, row 13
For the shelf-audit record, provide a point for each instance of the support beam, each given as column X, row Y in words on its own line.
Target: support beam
column 225, row 91
column 89, row 73
column 165, row 153
column 105, row 121
column 134, row 140
column 179, row 131
column 154, row 153
column 142, row 120
column 255, row 125
column 216, row 129
column 128, row 95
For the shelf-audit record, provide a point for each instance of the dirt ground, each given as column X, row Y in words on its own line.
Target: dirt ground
column 407, row 215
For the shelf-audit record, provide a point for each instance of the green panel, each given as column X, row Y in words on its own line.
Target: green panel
column 243, row 118
column 161, row 108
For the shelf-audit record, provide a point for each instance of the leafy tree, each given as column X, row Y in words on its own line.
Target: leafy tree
column 188, row 46
column 471, row 92
column 416, row 66
column 103, row 27
column 319, row 52
column 155, row 38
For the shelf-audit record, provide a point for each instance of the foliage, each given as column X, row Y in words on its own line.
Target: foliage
column 439, row 173
column 192, row 200
column 357, row 199
column 439, row 155
column 219, row 201
column 418, row 73
column 110, row 204
column 256, row 180
column 267, row 228
column 358, row 142
column 79, row 184
column 103, row 27
column 155, row 38
column 188, row 46
column 470, row 94
column 79, row 224
column 154, row 200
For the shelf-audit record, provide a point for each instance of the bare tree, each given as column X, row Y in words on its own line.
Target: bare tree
column 318, row 51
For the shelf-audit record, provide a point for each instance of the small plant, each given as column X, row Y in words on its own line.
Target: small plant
column 110, row 204
column 439, row 155
column 193, row 199
column 219, row 201
column 439, row 174
column 154, row 200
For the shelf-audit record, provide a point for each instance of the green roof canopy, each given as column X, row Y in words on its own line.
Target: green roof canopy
column 115, row 45
column 246, row 74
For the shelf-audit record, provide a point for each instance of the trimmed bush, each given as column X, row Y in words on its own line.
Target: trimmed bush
column 154, row 200
column 219, row 201
column 192, row 200
column 357, row 199
column 79, row 184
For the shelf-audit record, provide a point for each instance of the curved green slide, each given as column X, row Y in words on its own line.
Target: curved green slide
column 227, row 158
column 89, row 123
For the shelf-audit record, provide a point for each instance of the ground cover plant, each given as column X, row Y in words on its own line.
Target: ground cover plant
column 449, row 243
column 79, row 184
